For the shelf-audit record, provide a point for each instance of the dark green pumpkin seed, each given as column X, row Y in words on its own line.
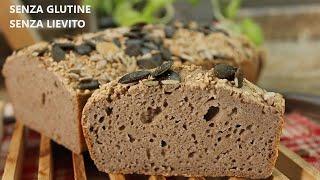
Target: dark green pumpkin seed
column 157, row 59
column 91, row 85
column 66, row 46
column 146, row 64
column 130, row 42
column 58, row 53
column 83, row 49
column 224, row 71
column 165, row 53
column 165, row 66
column 133, row 50
column 133, row 77
column 169, row 31
column 169, row 75
column 150, row 45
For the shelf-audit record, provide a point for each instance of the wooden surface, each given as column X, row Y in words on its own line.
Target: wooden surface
column 116, row 177
column 13, row 166
column 79, row 169
column 45, row 170
column 294, row 167
column 157, row 178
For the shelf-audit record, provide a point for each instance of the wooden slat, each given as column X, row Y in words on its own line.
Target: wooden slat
column 13, row 166
column 157, row 178
column 45, row 170
column 78, row 167
column 277, row 175
column 294, row 167
column 117, row 177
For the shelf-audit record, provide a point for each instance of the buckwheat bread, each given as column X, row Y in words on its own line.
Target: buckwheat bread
column 202, row 126
column 49, row 83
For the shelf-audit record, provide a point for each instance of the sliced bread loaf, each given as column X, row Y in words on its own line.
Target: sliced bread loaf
column 49, row 83
column 185, row 121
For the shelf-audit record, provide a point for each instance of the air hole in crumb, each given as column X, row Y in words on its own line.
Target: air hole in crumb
column 226, row 123
column 210, row 99
column 234, row 111
column 190, row 155
column 91, row 129
column 235, row 131
column 95, row 116
column 103, row 127
column 212, row 111
column 122, row 127
column 219, row 139
column 101, row 119
column 109, row 111
column 165, row 104
column 163, row 153
column 193, row 136
column 252, row 141
column 131, row 139
column 249, row 127
column 233, row 160
column 228, row 135
column 148, row 153
column 163, row 143
column 241, row 131
column 151, row 140
column 147, row 117
column 250, row 169
column 184, row 126
column 238, row 125
column 55, row 84
column 185, row 99
column 168, row 93
column 211, row 125
column 43, row 98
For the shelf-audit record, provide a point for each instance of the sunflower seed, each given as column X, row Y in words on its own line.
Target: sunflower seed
column 133, row 50
column 165, row 66
column 91, row 43
column 73, row 76
column 169, row 31
column 167, row 82
column 91, row 85
column 134, row 76
column 75, row 70
column 239, row 78
column 224, row 71
column 150, row 83
column 57, row 53
column 83, row 49
column 105, row 48
column 101, row 64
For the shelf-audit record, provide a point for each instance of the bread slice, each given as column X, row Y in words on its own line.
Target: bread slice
column 49, row 83
column 202, row 126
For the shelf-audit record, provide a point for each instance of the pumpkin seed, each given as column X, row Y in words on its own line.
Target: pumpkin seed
column 165, row 66
column 150, row 45
column 57, row 53
column 134, row 76
column 157, row 59
column 130, row 42
column 224, row 71
column 168, row 82
column 83, row 49
column 91, row 85
column 169, row 75
column 66, row 46
column 239, row 78
column 133, row 50
column 169, row 31
column 146, row 63
column 165, row 53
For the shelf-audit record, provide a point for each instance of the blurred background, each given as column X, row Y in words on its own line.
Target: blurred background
column 289, row 30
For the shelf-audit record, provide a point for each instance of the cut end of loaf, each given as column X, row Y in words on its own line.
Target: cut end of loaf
column 182, row 129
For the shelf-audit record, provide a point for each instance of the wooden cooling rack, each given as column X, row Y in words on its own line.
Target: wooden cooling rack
column 288, row 166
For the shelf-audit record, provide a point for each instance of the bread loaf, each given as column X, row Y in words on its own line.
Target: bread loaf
column 201, row 126
column 49, row 83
